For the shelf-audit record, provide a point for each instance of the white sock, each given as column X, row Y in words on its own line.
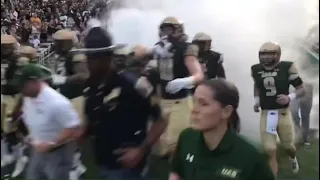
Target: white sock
column 293, row 159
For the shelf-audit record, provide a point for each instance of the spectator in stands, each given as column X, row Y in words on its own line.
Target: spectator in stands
column 36, row 24
column 35, row 41
column 44, row 31
column 48, row 14
column 25, row 33
column 35, row 20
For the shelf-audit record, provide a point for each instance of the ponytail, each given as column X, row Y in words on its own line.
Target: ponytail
column 234, row 122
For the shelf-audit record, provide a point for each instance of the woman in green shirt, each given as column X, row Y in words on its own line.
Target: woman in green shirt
column 212, row 149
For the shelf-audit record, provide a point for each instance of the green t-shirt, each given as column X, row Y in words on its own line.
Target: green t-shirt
column 233, row 159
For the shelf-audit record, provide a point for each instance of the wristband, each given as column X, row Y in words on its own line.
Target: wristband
column 256, row 100
column 292, row 96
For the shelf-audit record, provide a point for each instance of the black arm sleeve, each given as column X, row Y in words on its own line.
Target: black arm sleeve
column 221, row 72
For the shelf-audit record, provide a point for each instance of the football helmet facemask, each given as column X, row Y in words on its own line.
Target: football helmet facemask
column 269, row 55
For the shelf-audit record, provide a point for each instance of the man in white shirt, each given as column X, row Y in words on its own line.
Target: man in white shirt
column 52, row 123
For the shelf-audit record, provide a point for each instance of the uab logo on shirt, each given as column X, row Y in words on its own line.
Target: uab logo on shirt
column 229, row 172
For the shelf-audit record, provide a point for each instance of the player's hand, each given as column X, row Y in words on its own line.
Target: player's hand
column 283, row 99
column 256, row 108
column 130, row 157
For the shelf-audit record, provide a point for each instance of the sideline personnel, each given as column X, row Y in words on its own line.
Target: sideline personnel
column 52, row 123
column 118, row 106
column 211, row 149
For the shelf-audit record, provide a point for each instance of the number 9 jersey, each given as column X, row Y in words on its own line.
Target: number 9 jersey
column 272, row 83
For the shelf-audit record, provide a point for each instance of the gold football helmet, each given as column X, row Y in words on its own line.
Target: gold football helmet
column 269, row 55
column 8, row 45
column 203, row 41
column 171, row 27
column 28, row 52
column 64, row 40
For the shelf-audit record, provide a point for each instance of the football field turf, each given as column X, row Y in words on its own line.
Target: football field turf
column 308, row 159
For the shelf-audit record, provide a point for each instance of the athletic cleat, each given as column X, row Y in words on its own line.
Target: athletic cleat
column 81, row 169
column 294, row 165
column 76, row 173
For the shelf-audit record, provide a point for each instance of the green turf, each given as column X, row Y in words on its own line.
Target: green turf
column 308, row 159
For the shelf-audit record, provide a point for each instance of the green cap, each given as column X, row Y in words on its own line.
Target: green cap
column 26, row 73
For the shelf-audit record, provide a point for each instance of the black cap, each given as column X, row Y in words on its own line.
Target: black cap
column 97, row 41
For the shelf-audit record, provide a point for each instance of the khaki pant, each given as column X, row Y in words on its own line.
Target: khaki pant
column 179, row 119
column 7, row 105
column 285, row 130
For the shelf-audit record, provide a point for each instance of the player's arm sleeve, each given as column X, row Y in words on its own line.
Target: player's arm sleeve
column 192, row 50
column 255, row 87
column 192, row 63
column 66, row 115
column 221, row 72
column 294, row 77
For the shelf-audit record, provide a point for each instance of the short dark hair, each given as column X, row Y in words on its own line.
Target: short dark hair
column 226, row 93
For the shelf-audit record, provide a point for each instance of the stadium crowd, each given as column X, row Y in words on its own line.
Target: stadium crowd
column 32, row 22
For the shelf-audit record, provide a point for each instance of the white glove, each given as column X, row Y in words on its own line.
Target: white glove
column 176, row 85
column 165, row 41
column 163, row 50
column 58, row 79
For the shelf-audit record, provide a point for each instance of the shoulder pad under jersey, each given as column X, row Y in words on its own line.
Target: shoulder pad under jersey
column 140, row 83
column 255, row 68
column 286, row 63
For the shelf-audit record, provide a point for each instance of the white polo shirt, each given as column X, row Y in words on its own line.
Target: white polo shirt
column 48, row 114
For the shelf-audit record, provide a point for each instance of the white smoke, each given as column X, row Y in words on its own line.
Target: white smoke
column 238, row 28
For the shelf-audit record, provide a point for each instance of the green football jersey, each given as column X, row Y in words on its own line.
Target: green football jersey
column 272, row 83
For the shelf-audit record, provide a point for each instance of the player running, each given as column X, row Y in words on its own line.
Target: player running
column 272, row 79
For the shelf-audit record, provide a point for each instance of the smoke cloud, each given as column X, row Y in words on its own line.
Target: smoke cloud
column 238, row 29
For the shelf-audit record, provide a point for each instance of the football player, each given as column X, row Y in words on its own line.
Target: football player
column 71, row 74
column 272, row 79
column 211, row 61
column 179, row 71
column 8, row 67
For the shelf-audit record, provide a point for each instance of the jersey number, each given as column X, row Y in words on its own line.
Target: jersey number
column 269, row 84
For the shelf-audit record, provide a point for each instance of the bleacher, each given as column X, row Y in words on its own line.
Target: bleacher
column 46, row 56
